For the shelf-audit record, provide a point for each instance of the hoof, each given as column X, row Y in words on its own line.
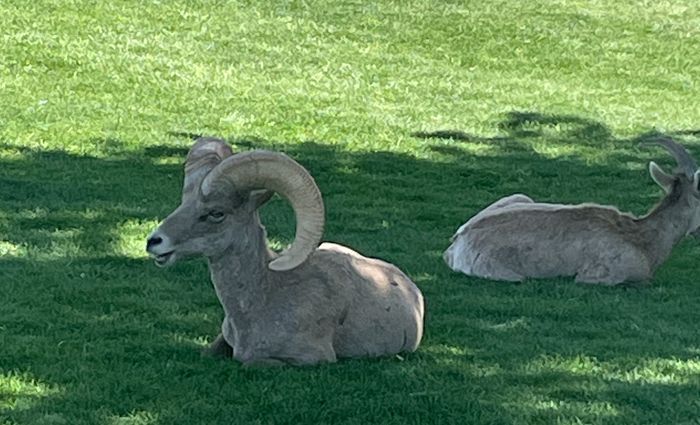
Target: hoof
column 218, row 349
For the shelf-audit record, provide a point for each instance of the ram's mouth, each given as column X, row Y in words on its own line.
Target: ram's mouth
column 163, row 259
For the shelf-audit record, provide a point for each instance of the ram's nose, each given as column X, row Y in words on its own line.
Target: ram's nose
column 152, row 242
column 157, row 243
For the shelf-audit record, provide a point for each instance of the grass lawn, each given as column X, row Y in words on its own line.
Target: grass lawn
column 546, row 97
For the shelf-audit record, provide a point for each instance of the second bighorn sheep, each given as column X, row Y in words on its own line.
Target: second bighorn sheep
column 516, row 238
column 308, row 305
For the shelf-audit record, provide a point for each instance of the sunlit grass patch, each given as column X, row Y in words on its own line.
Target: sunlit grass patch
column 22, row 391
column 134, row 418
column 514, row 325
column 639, row 371
column 50, row 235
column 565, row 411
column 11, row 249
column 661, row 371
column 128, row 238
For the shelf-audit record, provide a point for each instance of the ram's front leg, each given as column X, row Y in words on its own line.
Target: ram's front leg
column 293, row 361
column 218, row 348
column 295, row 350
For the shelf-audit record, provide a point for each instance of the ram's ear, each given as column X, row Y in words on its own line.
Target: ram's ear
column 258, row 198
column 661, row 178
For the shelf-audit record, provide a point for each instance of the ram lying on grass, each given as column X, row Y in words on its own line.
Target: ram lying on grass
column 310, row 304
column 516, row 238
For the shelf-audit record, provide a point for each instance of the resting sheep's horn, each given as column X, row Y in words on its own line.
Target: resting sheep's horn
column 204, row 155
column 207, row 146
column 279, row 173
column 681, row 155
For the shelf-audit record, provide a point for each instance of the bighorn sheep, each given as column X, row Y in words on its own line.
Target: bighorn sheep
column 516, row 238
column 308, row 305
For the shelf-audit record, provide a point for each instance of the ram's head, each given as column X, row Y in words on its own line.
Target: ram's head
column 220, row 198
column 685, row 180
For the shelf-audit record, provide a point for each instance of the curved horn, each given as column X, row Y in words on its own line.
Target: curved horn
column 204, row 155
column 279, row 173
column 681, row 155
column 207, row 149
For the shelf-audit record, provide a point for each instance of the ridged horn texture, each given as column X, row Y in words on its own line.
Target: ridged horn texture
column 277, row 172
column 204, row 155
column 685, row 161
column 206, row 149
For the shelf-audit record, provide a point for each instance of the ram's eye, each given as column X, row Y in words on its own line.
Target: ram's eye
column 216, row 216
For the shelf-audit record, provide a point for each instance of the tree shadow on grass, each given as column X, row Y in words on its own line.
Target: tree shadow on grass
column 576, row 388
column 557, row 128
column 48, row 195
column 116, row 336
column 520, row 129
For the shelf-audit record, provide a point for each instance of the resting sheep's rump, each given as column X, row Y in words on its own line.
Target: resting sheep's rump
column 385, row 304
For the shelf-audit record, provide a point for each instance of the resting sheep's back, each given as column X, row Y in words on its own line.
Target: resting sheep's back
column 537, row 240
column 382, row 309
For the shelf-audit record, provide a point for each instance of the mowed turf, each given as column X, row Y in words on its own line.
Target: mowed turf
column 412, row 116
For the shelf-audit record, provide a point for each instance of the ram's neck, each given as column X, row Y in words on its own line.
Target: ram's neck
column 665, row 225
column 240, row 273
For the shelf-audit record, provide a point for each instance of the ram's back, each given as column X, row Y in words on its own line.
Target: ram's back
column 540, row 240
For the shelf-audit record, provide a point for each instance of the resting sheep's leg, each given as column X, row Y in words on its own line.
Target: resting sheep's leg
column 505, row 275
column 264, row 363
column 615, row 270
column 297, row 352
column 596, row 279
column 497, row 264
column 309, row 352
column 218, row 348
column 597, row 272
column 282, row 361
column 308, row 359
